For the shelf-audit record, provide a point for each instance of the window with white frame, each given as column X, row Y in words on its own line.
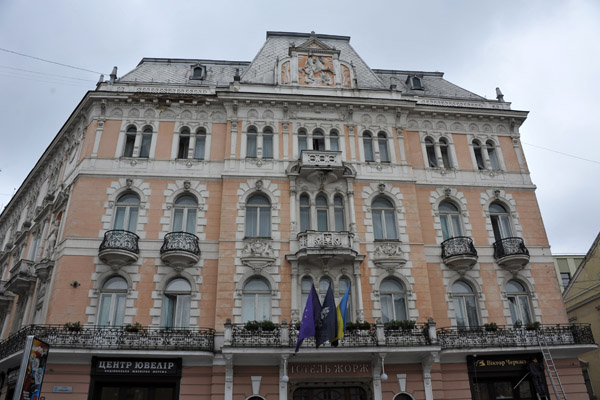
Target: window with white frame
column 322, row 213
column 450, row 220
column 430, row 149
column 329, row 216
column 267, row 143
column 176, row 304
column 368, row 146
column 130, row 136
column 445, row 152
column 384, row 219
column 251, row 142
column 438, row 152
column 393, row 300
column 518, row 301
column 112, row 302
column 259, row 144
column 478, row 151
column 302, row 140
column 343, row 285
column 339, row 213
column 465, row 305
column 184, row 143
column 258, row 216
column 493, row 155
column 334, row 143
column 256, row 300
column 318, row 140
column 500, row 218
column 146, row 143
column 304, row 212
column 191, row 145
column 184, row 214
column 305, row 286
column 126, row 212
column 384, row 152
column 324, row 284
column 486, row 154
column 200, row 144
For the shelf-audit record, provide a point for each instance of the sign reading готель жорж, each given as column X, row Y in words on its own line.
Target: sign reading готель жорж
column 137, row 366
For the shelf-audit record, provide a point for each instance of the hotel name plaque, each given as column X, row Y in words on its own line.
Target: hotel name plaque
column 298, row 370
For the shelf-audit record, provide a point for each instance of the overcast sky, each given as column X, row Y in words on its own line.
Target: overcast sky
column 544, row 55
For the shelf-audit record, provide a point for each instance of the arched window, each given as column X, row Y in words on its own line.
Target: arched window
column 267, row 145
column 184, row 144
column 258, row 216
column 126, row 213
column 343, row 285
column 200, row 144
column 305, row 287
column 256, row 301
column 393, row 300
column 129, row 141
column 302, row 141
column 322, row 213
column 403, row 396
column 384, row 219
column 465, row 305
column 384, row 154
column 176, row 304
column 112, row 302
column 338, row 210
column 251, row 142
column 500, row 221
column 518, row 300
column 324, row 284
column 478, row 154
column 493, row 155
column 198, row 73
column 430, row 149
column 184, row 214
column 445, row 151
column 334, row 143
column 416, row 83
column 368, row 145
column 318, row 140
column 146, row 142
column 450, row 219
column 304, row 212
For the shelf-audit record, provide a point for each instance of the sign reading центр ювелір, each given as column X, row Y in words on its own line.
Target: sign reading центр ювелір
column 137, row 366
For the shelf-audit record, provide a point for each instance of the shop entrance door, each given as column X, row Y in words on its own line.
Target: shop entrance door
column 504, row 389
column 330, row 393
column 111, row 391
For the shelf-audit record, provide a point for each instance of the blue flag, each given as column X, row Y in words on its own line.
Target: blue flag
column 341, row 315
column 311, row 314
column 327, row 323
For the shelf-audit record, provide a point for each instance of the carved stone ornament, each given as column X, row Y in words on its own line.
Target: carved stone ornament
column 259, row 184
column 257, row 254
column 381, row 187
column 447, row 192
column 187, row 185
column 497, row 194
column 129, row 182
column 389, row 256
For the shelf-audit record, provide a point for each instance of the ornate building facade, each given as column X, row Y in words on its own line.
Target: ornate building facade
column 188, row 198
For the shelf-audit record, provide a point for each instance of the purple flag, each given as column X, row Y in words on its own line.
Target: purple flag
column 312, row 311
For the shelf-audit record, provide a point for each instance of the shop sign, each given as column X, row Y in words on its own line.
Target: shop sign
column 137, row 366
column 62, row 389
column 500, row 362
column 329, row 369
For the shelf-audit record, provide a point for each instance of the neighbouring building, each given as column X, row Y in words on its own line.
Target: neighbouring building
column 190, row 197
column 565, row 266
column 582, row 300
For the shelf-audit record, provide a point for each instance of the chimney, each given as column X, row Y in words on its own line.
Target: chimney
column 499, row 95
column 113, row 75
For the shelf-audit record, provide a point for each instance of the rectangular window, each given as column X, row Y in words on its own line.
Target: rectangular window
column 339, row 219
column 251, row 146
column 387, row 311
column 304, row 219
column 267, row 146
column 199, row 148
column 145, row 148
column 322, row 220
column 251, row 221
column 129, row 143
column 566, row 278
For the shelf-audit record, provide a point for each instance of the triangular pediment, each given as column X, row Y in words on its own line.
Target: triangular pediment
column 314, row 44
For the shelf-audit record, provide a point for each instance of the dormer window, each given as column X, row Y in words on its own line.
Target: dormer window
column 415, row 82
column 198, row 72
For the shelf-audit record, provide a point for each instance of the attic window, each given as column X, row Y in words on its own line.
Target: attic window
column 415, row 83
column 198, row 72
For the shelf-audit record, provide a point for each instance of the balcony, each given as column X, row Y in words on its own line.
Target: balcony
column 119, row 248
column 180, row 250
column 324, row 246
column 321, row 159
column 459, row 253
column 112, row 338
column 389, row 255
column 511, row 254
column 21, row 278
column 6, row 298
column 508, row 336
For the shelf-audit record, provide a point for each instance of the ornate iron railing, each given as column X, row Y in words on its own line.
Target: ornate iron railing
column 243, row 337
column 509, row 247
column 458, row 246
column 417, row 336
column 356, row 338
column 121, row 240
column 314, row 239
column 454, row 338
column 181, row 241
column 318, row 158
column 112, row 338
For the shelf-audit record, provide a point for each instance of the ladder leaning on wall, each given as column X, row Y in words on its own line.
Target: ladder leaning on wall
column 559, row 392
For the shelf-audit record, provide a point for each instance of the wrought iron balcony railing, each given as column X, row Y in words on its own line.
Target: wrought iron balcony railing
column 553, row 335
column 181, row 241
column 119, row 239
column 356, row 338
column 112, row 338
column 511, row 246
column 417, row 336
column 255, row 338
column 327, row 239
column 322, row 158
column 458, row 246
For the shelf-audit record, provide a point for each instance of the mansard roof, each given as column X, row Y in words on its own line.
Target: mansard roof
column 263, row 69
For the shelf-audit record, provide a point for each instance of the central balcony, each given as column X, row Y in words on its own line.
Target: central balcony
column 511, row 254
column 459, row 253
column 321, row 159
column 180, row 250
column 323, row 246
column 119, row 248
column 22, row 277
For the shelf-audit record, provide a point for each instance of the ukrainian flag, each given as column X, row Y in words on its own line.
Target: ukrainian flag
column 341, row 315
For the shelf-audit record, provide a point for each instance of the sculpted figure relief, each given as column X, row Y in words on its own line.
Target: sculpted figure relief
column 316, row 71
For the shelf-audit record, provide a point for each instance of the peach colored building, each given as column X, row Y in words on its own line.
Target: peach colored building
column 187, row 198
